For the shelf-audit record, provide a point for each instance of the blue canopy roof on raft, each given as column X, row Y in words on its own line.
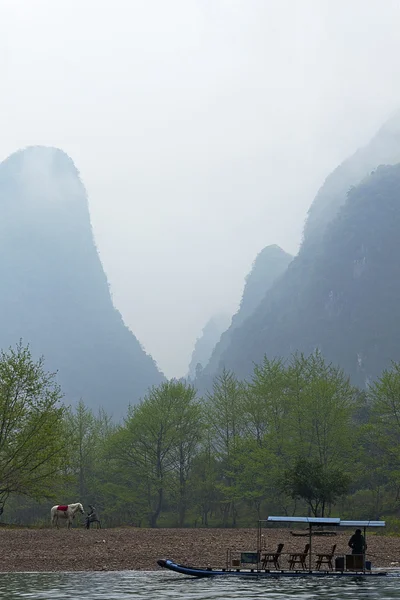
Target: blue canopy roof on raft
column 335, row 521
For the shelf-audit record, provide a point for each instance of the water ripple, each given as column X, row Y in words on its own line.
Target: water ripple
column 139, row 585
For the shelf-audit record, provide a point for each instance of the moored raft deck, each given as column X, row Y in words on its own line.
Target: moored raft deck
column 300, row 563
column 261, row 574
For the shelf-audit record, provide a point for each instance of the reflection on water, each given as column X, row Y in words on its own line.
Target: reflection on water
column 158, row 585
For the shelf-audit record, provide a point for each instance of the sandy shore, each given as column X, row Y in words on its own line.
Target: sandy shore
column 139, row 549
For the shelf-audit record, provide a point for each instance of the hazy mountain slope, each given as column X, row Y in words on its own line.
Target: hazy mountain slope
column 55, row 292
column 345, row 298
column 205, row 344
column 268, row 266
column 383, row 149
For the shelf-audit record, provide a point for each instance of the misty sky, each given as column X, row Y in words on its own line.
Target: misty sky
column 202, row 130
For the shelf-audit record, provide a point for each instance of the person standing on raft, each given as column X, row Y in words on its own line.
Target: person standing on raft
column 357, row 543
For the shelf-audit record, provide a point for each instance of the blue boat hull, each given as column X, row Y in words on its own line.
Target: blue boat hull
column 253, row 573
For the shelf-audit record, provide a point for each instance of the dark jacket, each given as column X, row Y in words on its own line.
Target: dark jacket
column 357, row 544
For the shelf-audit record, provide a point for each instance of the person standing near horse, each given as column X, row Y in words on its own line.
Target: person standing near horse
column 91, row 516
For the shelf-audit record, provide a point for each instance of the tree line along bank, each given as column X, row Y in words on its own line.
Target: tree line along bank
column 295, row 438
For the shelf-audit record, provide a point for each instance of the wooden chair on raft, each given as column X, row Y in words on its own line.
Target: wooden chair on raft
column 299, row 558
column 326, row 558
column 272, row 557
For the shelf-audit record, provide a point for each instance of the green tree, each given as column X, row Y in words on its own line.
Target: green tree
column 265, row 403
column 156, row 445
column 265, row 448
column 225, row 416
column 32, row 445
column 317, row 484
column 87, row 435
column 322, row 435
column 204, row 479
column 80, row 430
column 100, row 469
column 383, row 432
column 255, row 476
column 322, row 405
column 188, row 426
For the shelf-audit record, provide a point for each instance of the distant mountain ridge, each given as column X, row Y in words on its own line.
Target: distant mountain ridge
column 205, row 344
column 383, row 149
column 346, row 301
column 268, row 267
column 55, row 293
column 340, row 293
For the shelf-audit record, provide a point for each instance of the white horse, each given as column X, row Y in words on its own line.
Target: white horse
column 65, row 511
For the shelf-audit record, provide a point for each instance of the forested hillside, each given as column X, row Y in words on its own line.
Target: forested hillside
column 342, row 299
column 383, row 149
column 55, row 295
column 316, row 303
column 267, row 268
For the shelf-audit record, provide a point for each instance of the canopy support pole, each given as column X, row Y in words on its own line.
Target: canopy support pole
column 310, row 538
column 365, row 547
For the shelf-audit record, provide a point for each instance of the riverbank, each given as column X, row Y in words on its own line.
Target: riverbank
column 138, row 549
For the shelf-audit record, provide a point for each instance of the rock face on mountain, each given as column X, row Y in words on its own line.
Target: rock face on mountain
column 55, row 294
column 268, row 266
column 383, row 149
column 343, row 297
column 340, row 293
column 205, row 344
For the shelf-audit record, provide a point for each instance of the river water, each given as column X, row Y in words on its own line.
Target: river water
column 140, row 585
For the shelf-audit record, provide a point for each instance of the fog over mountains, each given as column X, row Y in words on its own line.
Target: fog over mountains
column 55, row 294
column 205, row 344
column 268, row 266
column 341, row 293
